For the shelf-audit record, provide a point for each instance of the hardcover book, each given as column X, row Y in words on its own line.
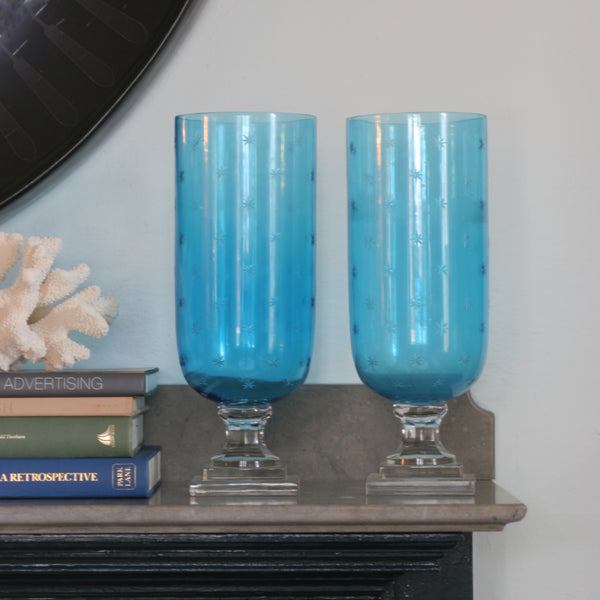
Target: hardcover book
column 72, row 406
column 70, row 437
column 132, row 382
column 136, row 476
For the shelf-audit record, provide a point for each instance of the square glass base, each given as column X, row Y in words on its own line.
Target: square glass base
column 218, row 482
column 424, row 485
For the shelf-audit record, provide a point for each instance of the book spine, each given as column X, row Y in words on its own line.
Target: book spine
column 72, row 406
column 49, row 437
column 80, row 477
column 34, row 383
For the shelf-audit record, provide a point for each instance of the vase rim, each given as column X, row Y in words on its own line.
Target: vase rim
column 256, row 116
column 425, row 116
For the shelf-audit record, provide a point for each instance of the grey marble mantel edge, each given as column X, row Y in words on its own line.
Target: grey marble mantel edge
column 323, row 507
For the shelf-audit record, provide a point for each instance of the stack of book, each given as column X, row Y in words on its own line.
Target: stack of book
column 76, row 434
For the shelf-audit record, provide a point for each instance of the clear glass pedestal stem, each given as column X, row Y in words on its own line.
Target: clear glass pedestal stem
column 421, row 465
column 246, row 465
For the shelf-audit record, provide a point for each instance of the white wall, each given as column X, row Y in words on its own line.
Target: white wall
column 532, row 67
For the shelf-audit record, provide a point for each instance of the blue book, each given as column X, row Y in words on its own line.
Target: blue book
column 137, row 476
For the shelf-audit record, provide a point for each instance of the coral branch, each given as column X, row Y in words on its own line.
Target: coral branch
column 60, row 283
column 34, row 325
column 10, row 252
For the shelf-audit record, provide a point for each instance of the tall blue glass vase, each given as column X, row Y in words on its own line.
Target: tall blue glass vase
column 245, row 279
column 417, row 205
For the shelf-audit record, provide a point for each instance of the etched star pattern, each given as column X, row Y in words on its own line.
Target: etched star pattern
column 372, row 362
column 391, row 327
column 219, row 361
column 247, row 384
column 276, row 172
column 248, row 203
column 415, row 302
column 464, row 359
column 417, row 361
column 416, row 175
column 273, row 362
column 442, row 270
column 248, row 139
column 221, row 172
column 442, row 327
column 416, row 240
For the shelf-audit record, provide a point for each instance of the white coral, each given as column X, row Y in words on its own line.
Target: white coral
column 34, row 324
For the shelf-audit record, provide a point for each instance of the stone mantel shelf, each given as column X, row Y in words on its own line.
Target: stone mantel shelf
column 330, row 436
column 321, row 507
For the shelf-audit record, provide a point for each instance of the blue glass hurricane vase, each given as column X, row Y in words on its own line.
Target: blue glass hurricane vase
column 245, row 273
column 417, row 204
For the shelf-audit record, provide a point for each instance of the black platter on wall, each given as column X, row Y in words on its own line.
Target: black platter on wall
column 64, row 65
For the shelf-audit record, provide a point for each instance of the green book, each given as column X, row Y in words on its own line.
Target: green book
column 70, row 437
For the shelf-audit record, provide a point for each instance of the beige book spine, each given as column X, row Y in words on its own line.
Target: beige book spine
column 85, row 406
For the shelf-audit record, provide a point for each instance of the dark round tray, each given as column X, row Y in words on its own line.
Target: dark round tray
column 64, row 65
